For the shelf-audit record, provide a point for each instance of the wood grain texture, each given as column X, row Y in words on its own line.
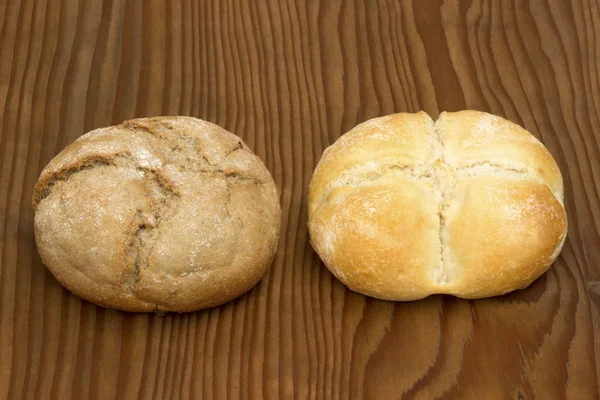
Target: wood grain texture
column 290, row 77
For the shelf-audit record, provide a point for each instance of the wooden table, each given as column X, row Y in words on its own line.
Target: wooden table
column 290, row 77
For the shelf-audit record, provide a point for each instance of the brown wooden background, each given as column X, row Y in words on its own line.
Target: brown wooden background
column 290, row 77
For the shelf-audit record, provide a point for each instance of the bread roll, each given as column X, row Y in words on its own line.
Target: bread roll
column 157, row 214
column 402, row 207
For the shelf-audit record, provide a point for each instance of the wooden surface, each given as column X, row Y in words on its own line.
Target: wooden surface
column 290, row 77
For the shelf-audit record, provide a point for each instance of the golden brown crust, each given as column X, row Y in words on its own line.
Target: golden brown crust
column 502, row 234
column 404, row 138
column 470, row 205
column 388, row 234
column 166, row 213
column 473, row 136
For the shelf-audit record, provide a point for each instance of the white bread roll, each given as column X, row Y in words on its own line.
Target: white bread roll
column 402, row 207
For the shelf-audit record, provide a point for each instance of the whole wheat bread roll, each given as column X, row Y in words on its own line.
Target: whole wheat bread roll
column 157, row 214
column 402, row 207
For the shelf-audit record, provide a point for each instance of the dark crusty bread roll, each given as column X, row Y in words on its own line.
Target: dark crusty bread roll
column 402, row 207
column 157, row 214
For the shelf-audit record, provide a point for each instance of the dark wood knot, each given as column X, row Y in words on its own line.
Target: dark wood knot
column 593, row 288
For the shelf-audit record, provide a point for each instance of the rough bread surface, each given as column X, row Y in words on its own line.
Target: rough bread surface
column 157, row 214
column 402, row 207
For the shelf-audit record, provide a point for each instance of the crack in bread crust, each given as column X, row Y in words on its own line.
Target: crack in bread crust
column 239, row 146
column 146, row 224
column 365, row 174
column 191, row 151
column 43, row 190
column 444, row 187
